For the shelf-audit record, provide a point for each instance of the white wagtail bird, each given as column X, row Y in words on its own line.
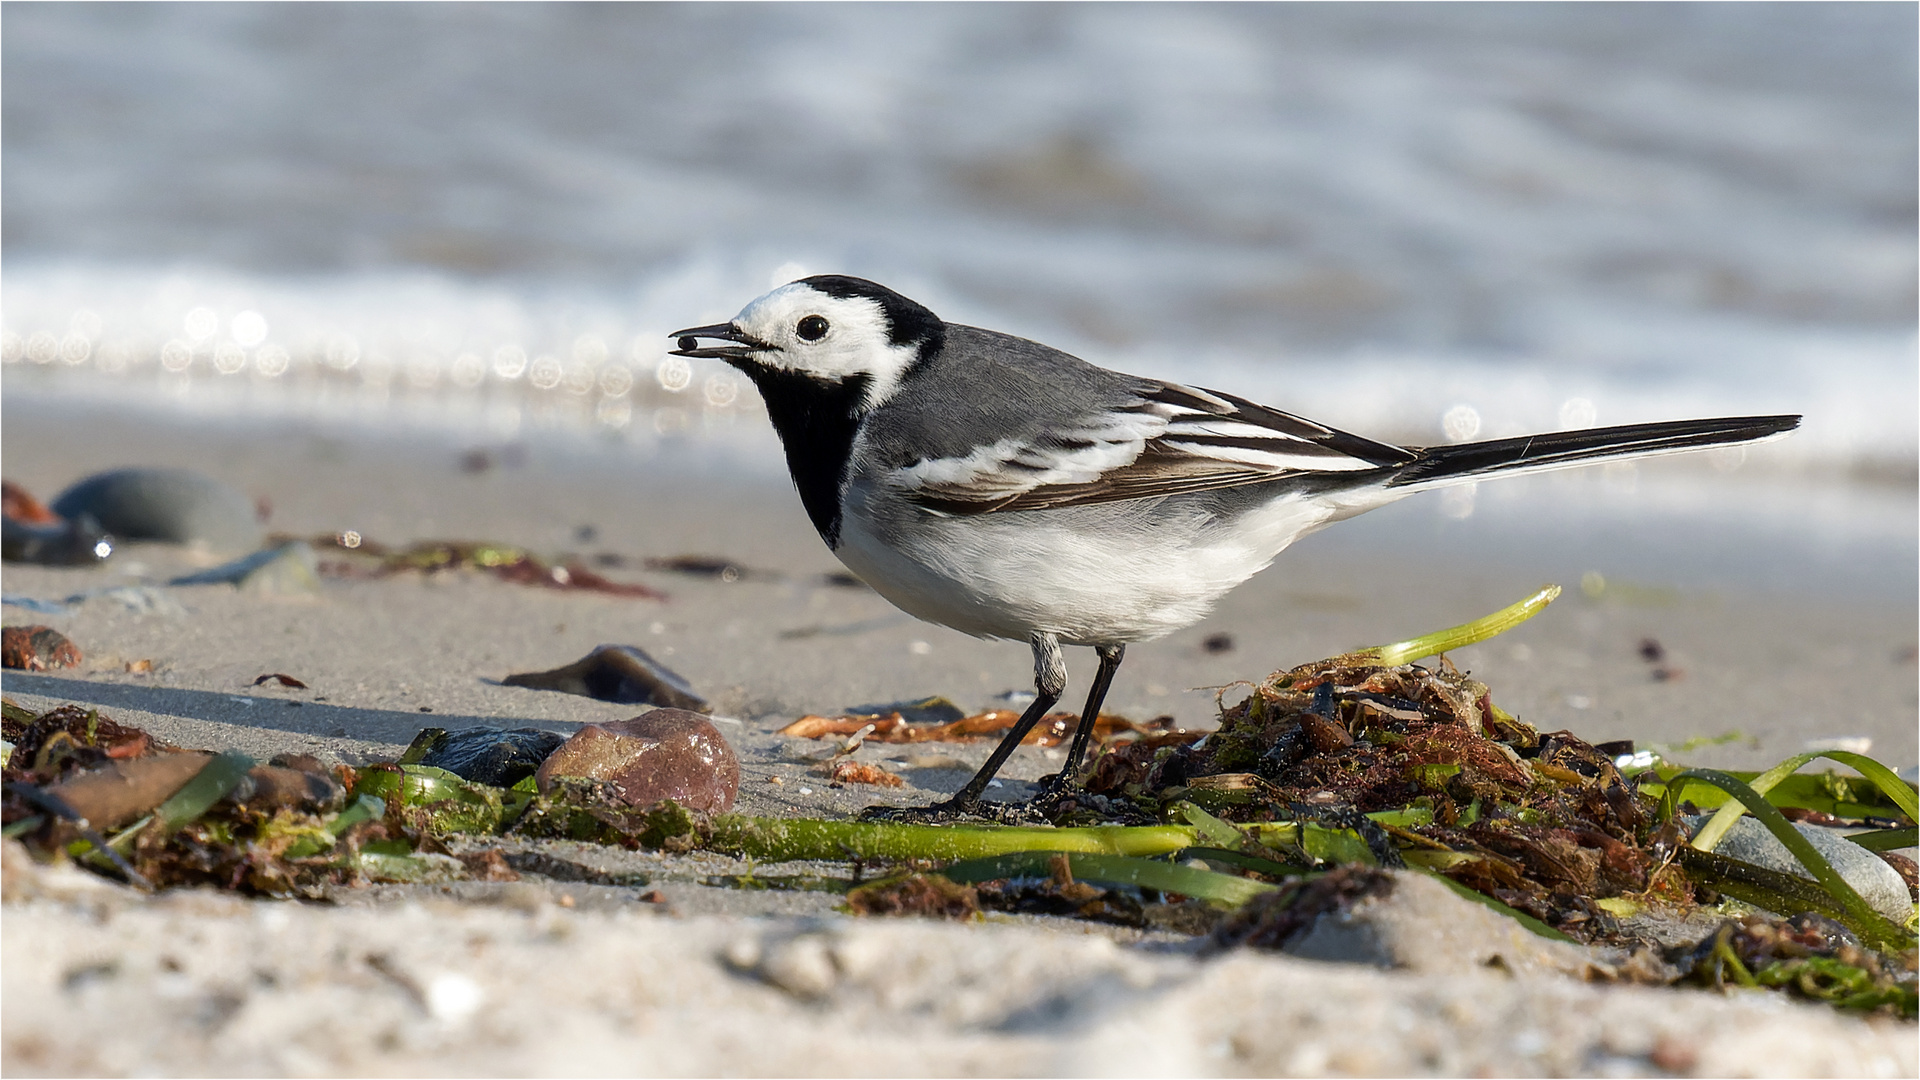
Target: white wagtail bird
column 1009, row 490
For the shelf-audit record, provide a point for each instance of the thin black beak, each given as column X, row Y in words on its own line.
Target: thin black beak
column 689, row 342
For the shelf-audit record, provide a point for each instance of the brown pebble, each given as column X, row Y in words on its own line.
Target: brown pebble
column 665, row 754
column 925, row 895
column 565, row 900
column 139, row 667
column 37, row 648
column 21, row 506
column 1675, row 1055
column 861, row 772
column 1907, row 868
column 273, row 787
column 653, row 896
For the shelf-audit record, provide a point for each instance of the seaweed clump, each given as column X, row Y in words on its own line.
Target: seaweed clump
column 123, row 803
column 1807, row 955
column 1545, row 823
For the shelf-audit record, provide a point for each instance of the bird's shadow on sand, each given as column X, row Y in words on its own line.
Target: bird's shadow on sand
column 264, row 710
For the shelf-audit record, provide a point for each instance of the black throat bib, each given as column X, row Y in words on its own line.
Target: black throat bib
column 816, row 420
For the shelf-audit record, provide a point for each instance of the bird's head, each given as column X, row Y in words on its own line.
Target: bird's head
column 833, row 330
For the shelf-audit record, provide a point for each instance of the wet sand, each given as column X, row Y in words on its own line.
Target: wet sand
column 1774, row 624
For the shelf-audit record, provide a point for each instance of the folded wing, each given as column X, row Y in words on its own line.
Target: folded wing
column 1169, row 440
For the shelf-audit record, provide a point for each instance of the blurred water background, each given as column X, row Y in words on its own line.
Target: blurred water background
column 1420, row 222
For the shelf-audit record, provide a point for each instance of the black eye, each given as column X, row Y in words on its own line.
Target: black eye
column 811, row 328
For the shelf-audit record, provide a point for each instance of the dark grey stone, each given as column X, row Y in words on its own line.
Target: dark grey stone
column 492, row 756
column 176, row 505
column 622, row 674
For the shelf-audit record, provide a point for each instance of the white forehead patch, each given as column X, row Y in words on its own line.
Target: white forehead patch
column 856, row 341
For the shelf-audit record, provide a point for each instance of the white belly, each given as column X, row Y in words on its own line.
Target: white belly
column 1094, row 575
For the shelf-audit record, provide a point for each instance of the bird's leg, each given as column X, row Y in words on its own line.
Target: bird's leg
column 1049, row 682
column 1110, row 657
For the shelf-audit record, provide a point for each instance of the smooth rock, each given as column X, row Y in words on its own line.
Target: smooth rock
column 294, row 570
column 1879, row 884
column 289, row 569
column 665, row 754
column 622, row 674
column 492, row 756
column 273, row 787
column 180, row 506
column 120, row 791
column 1397, row 919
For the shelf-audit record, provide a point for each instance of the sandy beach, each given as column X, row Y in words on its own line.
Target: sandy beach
column 1768, row 668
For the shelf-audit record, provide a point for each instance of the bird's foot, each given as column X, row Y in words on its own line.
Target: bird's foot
column 1050, row 792
column 1062, row 802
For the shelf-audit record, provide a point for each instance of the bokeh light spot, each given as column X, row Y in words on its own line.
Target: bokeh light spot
column 229, row 358
column 176, row 355
column 201, row 323
column 509, row 361
column 1578, row 413
column 1462, row 422
column 616, row 380
column 467, row 370
column 75, row 349
column 545, row 372
column 272, row 361
column 249, row 328
column 721, row 390
column 674, row 374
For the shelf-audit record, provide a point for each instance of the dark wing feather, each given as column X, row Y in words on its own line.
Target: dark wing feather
column 1170, row 440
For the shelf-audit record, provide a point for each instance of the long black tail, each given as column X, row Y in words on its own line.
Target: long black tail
column 1439, row 465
